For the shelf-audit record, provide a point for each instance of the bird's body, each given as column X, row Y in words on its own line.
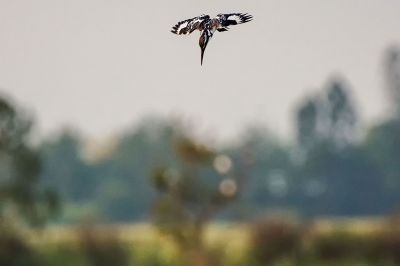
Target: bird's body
column 207, row 26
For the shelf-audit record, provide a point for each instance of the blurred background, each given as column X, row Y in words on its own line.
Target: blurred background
column 118, row 148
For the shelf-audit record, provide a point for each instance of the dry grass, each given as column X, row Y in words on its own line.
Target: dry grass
column 232, row 244
column 233, row 234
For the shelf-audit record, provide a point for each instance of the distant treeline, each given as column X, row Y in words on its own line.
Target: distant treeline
column 334, row 166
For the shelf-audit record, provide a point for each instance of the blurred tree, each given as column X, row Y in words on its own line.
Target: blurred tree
column 329, row 117
column 342, row 118
column 188, row 199
column 335, row 177
column 124, row 193
column 20, row 167
column 339, row 182
column 392, row 77
column 65, row 170
column 383, row 147
column 307, row 123
column 270, row 182
column 383, row 141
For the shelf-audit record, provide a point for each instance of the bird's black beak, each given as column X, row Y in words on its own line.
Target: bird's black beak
column 202, row 54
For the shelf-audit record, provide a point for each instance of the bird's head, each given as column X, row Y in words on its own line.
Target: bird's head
column 203, row 41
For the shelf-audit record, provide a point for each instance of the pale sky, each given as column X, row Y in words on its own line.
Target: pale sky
column 102, row 65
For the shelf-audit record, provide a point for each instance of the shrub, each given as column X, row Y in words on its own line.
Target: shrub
column 103, row 248
column 274, row 239
column 14, row 251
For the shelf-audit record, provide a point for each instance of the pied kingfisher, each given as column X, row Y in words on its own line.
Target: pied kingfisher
column 208, row 26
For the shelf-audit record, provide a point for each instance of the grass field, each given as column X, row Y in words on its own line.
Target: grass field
column 228, row 232
column 329, row 241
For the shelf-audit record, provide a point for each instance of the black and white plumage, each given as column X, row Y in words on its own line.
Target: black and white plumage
column 207, row 26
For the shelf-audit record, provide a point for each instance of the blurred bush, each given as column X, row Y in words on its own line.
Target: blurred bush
column 379, row 246
column 386, row 242
column 339, row 245
column 101, row 247
column 276, row 238
column 14, row 251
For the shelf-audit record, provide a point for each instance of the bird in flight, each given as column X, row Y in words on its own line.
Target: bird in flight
column 207, row 26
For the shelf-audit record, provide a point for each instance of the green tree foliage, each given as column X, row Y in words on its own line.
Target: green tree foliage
column 270, row 183
column 342, row 118
column 383, row 147
column 20, row 167
column 64, row 169
column 306, row 123
column 328, row 117
column 334, row 164
column 383, row 140
column 125, row 193
column 392, row 77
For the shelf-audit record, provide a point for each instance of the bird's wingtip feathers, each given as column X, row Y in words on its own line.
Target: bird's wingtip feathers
column 246, row 17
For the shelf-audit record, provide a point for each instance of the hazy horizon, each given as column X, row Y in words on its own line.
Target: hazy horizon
column 101, row 66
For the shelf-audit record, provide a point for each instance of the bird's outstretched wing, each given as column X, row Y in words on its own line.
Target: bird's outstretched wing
column 190, row 25
column 234, row 19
